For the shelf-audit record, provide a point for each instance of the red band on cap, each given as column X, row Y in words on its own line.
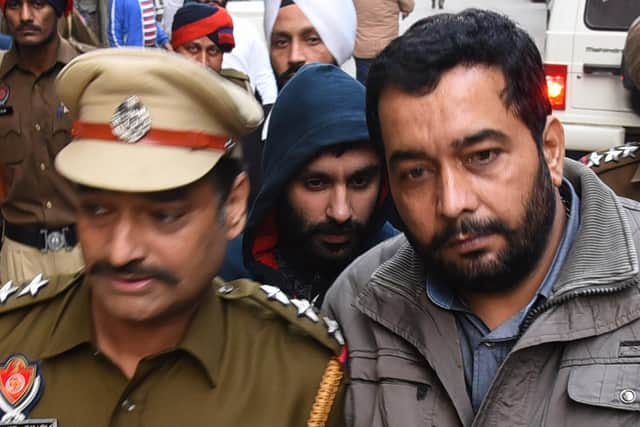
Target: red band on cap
column 168, row 138
column 201, row 28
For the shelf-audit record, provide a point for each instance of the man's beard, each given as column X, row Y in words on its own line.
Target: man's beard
column 525, row 244
column 302, row 250
column 282, row 79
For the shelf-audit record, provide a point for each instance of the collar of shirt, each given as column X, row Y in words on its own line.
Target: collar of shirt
column 203, row 339
column 444, row 297
column 65, row 54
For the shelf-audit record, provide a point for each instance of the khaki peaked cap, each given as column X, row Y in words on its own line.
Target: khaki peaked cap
column 148, row 120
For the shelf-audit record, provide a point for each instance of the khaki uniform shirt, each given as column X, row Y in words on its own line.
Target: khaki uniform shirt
column 246, row 360
column 30, row 136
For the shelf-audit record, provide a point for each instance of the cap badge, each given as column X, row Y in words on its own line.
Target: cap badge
column 131, row 120
column 21, row 387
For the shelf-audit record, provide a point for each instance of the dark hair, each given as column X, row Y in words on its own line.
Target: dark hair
column 416, row 61
column 224, row 174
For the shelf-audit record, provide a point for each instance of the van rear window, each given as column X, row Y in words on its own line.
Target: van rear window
column 611, row 15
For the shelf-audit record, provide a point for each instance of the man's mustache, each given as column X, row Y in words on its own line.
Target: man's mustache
column 469, row 226
column 136, row 269
column 331, row 227
column 286, row 75
column 27, row 27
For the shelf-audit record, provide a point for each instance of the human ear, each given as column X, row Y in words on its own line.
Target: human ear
column 235, row 207
column 553, row 148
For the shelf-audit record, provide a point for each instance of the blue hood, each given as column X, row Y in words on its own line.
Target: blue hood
column 320, row 107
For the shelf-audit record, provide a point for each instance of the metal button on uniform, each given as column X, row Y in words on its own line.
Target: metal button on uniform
column 49, row 205
column 37, row 127
column 627, row 396
column 127, row 405
column 42, row 166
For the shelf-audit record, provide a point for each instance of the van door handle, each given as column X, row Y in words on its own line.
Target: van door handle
column 602, row 69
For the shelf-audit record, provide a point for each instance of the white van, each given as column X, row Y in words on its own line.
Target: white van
column 583, row 53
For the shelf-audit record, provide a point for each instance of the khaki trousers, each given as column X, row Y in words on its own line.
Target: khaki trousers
column 21, row 263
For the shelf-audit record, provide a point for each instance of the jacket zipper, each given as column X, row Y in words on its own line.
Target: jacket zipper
column 553, row 302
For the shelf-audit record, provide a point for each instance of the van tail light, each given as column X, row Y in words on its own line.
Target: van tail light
column 556, row 75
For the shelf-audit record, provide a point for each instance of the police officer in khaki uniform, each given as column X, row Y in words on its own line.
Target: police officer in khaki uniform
column 39, row 231
column 147, row 336
column 619, row 167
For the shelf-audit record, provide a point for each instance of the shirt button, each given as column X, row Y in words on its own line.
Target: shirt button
column 128, row 406
column 42, row 166
column 37, row 127
column 49, row 205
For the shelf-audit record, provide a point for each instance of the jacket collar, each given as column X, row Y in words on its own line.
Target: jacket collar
column 65, row 54
column 203, row 340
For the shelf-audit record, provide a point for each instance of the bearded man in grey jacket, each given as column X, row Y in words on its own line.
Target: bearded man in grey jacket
column 513, row 298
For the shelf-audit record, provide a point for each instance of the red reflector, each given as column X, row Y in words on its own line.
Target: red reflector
column 556, row 76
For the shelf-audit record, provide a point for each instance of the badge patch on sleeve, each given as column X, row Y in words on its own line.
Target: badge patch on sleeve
column 5, row 109
column 21, row 386
column 4, row 93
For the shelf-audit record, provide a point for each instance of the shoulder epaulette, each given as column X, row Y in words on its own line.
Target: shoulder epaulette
column 237, row 77
column 602, row 161
column 298, row 312
column 39, row 289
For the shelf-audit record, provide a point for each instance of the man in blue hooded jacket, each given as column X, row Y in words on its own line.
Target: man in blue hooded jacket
column 322, row 201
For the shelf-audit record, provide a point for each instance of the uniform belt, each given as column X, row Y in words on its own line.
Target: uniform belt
column 45, row 239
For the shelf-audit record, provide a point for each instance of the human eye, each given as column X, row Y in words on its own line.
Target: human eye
column 313, row 40
column 38, row 4
column 361, row 181
column 95, row 210
column 482, row 157
column 315, row 183
column 279, row 43
column 13, row 4
column 192, row 48
column 167, row 216
column 213, row 51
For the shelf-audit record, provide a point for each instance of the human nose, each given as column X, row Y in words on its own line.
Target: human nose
column 456, row 194
column 26, row 14
column 339, row 208
column 297, row 53
column 125, row 245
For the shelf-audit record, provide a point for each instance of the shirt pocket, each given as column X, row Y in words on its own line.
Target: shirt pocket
column 12, row 150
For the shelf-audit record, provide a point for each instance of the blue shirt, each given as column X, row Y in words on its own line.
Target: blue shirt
column 484, row 350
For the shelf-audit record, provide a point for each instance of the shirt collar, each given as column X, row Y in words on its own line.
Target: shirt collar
column 65, row 54
column 444, row 297
column 203, row 339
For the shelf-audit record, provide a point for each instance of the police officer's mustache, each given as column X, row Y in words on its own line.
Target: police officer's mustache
column 133, row 269
column 27, row 27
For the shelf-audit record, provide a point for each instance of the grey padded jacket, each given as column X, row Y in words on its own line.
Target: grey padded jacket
column 576, row 364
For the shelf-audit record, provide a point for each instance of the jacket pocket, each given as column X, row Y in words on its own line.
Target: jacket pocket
column 12, row 150
column 390, row 390
column 607, row 385
column 406, row 396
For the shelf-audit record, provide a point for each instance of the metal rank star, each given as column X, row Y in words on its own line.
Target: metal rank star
column 274, row 293
column 131, row 120
column 32, row 288
column 594, row 159
column 304, row 308
column 334, row 330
